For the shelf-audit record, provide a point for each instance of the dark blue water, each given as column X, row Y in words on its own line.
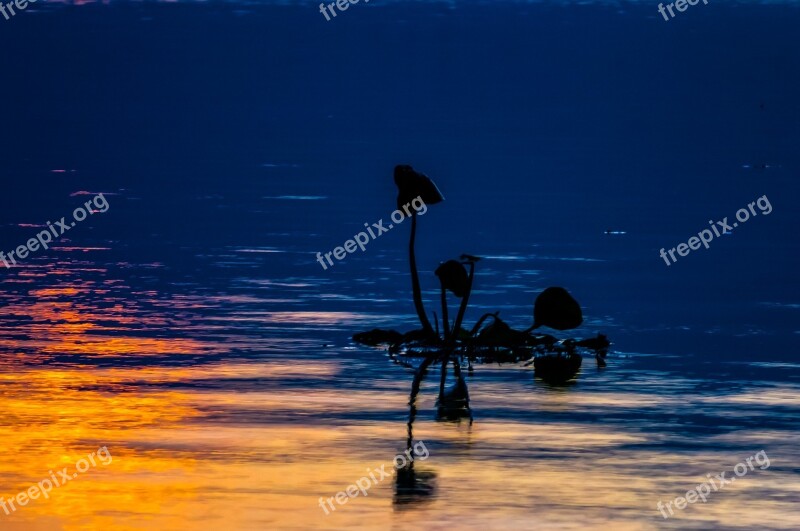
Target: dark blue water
column 235, row 141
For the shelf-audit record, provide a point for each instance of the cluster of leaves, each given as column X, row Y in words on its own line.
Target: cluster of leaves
column 490, row 339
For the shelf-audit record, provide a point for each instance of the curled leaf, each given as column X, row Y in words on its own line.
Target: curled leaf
column 453, row 276
column 555, row 308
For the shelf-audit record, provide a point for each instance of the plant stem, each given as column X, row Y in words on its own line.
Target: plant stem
column 423, row 319
column 464, row 301
column 480, row 322
column 445, row 318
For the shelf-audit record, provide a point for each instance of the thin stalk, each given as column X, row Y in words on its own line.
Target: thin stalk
column 417, row 292
column 531, row 328
column 480, row 322
column 445, row 318
column 464, row 301
column 445, row 358
column 473, row 334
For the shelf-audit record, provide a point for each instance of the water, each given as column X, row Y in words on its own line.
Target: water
column 190, row 330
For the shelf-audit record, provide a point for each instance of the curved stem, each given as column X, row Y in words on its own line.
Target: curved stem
column 464, row 301
column 473, row 334
column 531, row 329
column 423, row 319
column 445, row 318
column 480, row 322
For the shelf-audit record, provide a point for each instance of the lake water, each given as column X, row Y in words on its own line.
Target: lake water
column 190, row 330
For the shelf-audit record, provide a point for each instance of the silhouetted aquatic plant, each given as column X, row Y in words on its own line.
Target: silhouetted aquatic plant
column 410, row 185
column 491, row 340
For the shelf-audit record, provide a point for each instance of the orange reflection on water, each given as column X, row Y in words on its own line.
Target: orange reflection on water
column 230, row 457
column 253, row 445
column 61, row 322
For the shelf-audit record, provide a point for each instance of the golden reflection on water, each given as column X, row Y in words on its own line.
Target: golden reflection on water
column 254, row 444
column 175, row 468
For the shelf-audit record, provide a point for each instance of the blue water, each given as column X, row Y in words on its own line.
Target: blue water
column 234, row 141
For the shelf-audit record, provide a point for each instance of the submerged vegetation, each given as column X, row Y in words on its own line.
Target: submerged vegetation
column 490, row 340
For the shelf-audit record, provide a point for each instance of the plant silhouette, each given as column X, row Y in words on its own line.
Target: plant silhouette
column 490, row 340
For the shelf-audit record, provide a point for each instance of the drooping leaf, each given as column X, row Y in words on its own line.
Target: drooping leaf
column 412, row 184
column 499, row 334
column 557, row 309
column 454, row 278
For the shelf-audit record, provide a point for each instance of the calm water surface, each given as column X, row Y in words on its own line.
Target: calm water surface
column 190, row 330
